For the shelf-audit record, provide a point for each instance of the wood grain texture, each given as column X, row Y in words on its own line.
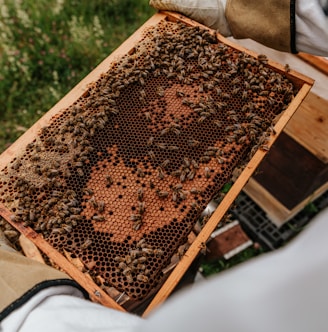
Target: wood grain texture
column 309, row 126
column 318, row 62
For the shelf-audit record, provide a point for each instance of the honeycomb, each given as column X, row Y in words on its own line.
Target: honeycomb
column 119, row 178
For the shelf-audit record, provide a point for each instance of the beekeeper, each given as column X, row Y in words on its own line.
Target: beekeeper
column 285, row 290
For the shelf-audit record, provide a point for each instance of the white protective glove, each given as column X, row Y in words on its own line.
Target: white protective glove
column 208, row 12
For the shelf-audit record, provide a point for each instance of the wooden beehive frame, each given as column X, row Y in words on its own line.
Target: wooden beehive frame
column 96, row 294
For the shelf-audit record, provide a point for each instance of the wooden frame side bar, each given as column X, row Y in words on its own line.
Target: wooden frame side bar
column 221, row 210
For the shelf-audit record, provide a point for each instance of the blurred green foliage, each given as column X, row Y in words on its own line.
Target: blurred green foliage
column 47, row 47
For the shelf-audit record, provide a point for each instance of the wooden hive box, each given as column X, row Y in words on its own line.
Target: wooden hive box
column 117, row 173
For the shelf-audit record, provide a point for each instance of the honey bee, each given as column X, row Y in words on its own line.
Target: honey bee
column 57, row 231
column 165, row 163
column 140, row 194
column 244, row 95
column 201, row 119
column 158, row 252
column 207, row 172
column 142, row 278
column 183, row 176
column 141, row 207
column 135, row 217
column 141, row 267
column 205, row 159
column 187, row 102
column 161, row 145
column 160, row 172
column 86, row 244
column 134, row 253
column 152, row 155
column 225, row 75
column 54, row 172
column 162, row 193
column 195, row 205
column 160, row 91
column 194, row 164
column 175, row 131
column 210, row 153
column 44, row 130
column 180, row 93
column 78, row 164
column 101, row 206
column 218, row 123
column 141, row 243
column 137, row 224
column 35, row 157
column 218, row 92
column 141, row 81
column 122, row 265
column 176, row 173
column 191, row 175
column 264, row 147
column 264, row 93
column 165, row 131
column 150, row 141
column 235, row 81
column 128, row 259
column 186, row 162
column 183, row 194
column 242, row 140
column 173, row 148
column 171, row 75
column 148, row 116
column 127, row 271
column 221, row 105
column 226, row 95
column 195, row 191
column 129, row 278
column 56, row 193
column 193, row 143
column 93, row 202
column 262, row 58
column 119, row 259
column 140, row 173
column 235, row 91
column 79, row 172
column 98, row 218
column 109, row 181
column 67, row 228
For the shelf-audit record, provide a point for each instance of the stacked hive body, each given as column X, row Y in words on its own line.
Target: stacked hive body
column 119, row 178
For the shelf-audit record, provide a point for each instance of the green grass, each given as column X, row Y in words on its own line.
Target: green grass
column 47, row 47
column 222, row 264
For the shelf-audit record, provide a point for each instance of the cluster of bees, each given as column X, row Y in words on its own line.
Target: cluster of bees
column 235, row 99
column 135, row 263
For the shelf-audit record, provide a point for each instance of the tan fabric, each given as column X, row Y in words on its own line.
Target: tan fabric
column 19, row 274
column 267, row 22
